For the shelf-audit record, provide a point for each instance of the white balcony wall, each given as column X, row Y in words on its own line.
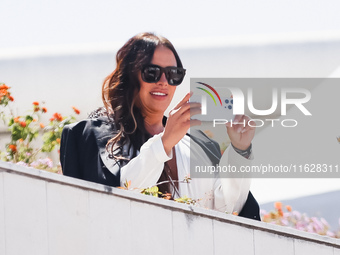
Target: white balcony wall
column 44, row 213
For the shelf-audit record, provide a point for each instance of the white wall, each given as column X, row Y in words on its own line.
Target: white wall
column 44, row 213
column 73, row 77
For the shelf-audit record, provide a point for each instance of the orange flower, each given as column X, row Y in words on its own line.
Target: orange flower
column 57, row 116
column 3, row 92
column 12, row 147
column 278, row 205
column 42, row 125
column 21, row 140
column 3, row 86
column 36, row 103
column 167, row 196
column 289, row 208
column 44, row 109
column 266, row 217
column 23, row 123
column 76, row 110
column 11, row 98
column 235, row 213
column 36, row 108
column 16, row 119
column 281, row 212
column 58, row 140
column 34, row 120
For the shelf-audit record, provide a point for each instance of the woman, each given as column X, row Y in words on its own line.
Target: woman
column 130, row 140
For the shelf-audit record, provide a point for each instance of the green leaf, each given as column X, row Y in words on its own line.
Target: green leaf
column 29, row 118
column 11, row 122
column 16, row 135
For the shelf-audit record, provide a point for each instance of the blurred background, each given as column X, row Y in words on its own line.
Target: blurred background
column 60, row 52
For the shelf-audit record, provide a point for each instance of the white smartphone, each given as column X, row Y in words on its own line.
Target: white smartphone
column 213, row 109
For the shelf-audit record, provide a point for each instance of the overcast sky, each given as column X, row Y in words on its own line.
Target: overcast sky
column 45, row 22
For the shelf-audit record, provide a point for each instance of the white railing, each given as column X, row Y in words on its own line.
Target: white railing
column 45, row 213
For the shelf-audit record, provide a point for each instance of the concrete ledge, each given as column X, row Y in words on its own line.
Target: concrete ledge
column 53, row 214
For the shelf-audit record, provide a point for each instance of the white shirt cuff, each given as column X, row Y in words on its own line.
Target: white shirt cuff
column 158, row 149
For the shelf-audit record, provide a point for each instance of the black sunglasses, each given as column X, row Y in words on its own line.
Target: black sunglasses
column 152, row 74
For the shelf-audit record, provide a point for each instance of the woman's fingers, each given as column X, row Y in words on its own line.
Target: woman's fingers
column 195, row 110
column 241, row 123
column 183, row 101
column 241, row 132
column 187, row 109
column 183, row 112
column 238, row 118
column 236, row 121
column 249, row 124
column 189, row 106
column 194, row 122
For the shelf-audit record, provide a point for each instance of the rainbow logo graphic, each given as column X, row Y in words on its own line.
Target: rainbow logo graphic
column 209, row 93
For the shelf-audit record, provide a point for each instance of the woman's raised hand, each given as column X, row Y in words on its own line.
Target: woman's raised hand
column 179, row 122
column 240, row 132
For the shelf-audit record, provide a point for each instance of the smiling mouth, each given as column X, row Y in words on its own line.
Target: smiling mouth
column 158, row 94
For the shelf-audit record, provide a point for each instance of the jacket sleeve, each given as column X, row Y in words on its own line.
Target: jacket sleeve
column 80, row 151
column 145, row 169
column 68, row 153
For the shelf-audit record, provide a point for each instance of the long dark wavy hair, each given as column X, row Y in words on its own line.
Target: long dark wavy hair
column 121, row 87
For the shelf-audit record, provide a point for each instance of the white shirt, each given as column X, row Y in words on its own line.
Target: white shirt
column 222, row 194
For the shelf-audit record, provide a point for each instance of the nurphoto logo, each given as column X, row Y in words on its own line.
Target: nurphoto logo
column 221, row 110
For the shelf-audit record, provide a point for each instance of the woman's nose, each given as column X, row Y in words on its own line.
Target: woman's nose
column 163, row 79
